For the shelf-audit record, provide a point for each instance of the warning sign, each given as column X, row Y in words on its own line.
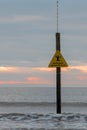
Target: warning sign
column 58, row 60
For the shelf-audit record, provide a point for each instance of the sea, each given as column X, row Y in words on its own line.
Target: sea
column 34, row 108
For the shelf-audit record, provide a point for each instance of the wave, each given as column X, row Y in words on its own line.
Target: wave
column 50, row 116
column 42, row 103
column 26, row 103
column 34, row 121
column 84, row 104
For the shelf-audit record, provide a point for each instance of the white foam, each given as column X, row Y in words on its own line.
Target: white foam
column 34, row 121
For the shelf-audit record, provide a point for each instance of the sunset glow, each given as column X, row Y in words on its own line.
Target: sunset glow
column 37, row 80
column 24, row 69
column 42, row 69
column 8, row 69
column 38, row 75
column 80, row 68
column 29, row 80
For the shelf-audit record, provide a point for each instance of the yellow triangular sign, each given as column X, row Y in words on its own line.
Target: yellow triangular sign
column 58, row 60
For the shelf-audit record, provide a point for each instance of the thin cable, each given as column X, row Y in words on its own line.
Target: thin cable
column 57, row 15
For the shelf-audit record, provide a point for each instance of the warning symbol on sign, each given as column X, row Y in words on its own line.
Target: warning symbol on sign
column 58, row 60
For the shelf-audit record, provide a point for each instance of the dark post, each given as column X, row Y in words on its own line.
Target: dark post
column 58, row 78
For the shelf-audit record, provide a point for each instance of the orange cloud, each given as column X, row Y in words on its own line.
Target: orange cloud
column 83, row 68
column 75, row 76
column 34, row 80
column 29, row 80
column 8, row 69
column 82, row 78
column 42, row 69
column 38, row 80
column 11, row 82
column 80, row 68
column 68, row 76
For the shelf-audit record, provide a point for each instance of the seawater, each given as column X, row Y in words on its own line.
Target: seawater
column 27, row 94
column 28, row 108
column 42, row 94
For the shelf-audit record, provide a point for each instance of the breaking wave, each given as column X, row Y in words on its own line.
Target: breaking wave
column 34, row 121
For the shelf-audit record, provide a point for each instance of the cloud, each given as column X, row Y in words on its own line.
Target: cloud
column 15, row 69
column 38, row 80
column 22, row 18
column 11, row 82
column 80, row 68
column 71, row 76
column 29, row 80
column 74, row 76
column 4, row 69
column 25, row 75
column 82, row 78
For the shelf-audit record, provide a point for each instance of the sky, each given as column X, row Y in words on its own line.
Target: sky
column 27, row 42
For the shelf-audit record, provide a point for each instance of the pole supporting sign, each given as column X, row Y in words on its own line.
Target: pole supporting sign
column 58, row 60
